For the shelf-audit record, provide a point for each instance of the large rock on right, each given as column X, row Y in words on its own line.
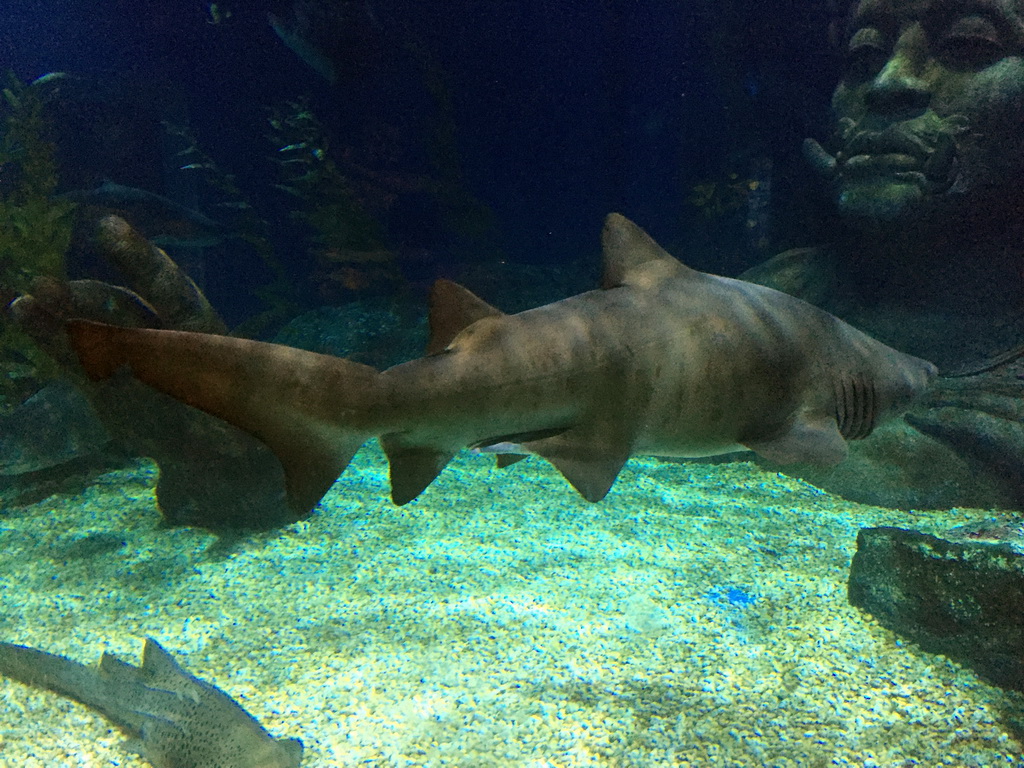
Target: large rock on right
column 961, row 596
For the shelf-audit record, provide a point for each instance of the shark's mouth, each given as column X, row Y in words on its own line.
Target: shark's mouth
column 922, row 152
column 857, row 405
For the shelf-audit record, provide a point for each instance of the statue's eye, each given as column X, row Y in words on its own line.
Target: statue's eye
column 866, row 54
column 970, row 42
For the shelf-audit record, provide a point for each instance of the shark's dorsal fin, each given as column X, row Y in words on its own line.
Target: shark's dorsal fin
column 453, row 308
column 160, row 669
column 632, row 257
column 158, row 662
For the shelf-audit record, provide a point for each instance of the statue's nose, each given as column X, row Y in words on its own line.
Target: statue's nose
column 897, row 90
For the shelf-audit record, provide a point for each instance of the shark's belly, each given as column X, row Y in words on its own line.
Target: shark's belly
column 685, row 448
column 697, row 424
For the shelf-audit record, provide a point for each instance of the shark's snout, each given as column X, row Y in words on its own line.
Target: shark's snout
column 918, row 376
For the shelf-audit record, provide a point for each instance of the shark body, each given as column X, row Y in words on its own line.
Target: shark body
column 175, row 720
column 661, row 360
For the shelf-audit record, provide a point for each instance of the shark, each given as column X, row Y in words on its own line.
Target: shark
column 175, row 719
column 661, row 360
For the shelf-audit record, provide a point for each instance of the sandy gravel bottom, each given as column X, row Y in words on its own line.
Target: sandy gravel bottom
column 696, row 617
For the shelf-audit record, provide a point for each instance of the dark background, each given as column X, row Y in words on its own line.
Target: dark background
column 561, row 112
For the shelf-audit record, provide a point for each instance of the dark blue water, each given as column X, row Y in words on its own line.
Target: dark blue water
column 558, row 112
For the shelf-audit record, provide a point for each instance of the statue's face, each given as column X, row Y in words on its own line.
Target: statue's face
column 930, row 110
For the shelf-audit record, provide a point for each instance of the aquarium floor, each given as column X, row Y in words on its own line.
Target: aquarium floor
column 696, row 617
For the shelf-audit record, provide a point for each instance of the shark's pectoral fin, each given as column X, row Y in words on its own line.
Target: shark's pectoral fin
column 589, row 455
column 813, row 441
column 412, row 468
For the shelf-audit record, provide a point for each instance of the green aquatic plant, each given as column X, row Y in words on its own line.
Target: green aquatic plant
column 246, row 224
column 35, row 226
column 349, row 242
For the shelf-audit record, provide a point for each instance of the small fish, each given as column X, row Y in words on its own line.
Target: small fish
column 993, row 530
column 175, row 719
column 501, row 448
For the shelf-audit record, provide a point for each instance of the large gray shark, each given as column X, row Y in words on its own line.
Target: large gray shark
column 662, row 360
column 175, row 719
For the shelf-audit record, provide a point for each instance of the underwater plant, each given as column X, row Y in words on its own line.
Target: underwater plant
column 246, row 225
column 349, row 242
column 35, row 227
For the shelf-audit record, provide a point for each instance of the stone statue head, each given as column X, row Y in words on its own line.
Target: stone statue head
column 929, row 114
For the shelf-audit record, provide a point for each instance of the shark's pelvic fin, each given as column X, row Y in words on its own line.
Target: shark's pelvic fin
column 503, row 460
column 589, row 455
column 412, row 469
column 453, row 309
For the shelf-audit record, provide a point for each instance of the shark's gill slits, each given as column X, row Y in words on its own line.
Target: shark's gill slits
column 856, row 407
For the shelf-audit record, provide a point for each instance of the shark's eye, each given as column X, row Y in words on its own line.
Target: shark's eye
column 866, row 54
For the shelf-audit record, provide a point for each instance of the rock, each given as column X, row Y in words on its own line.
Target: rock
column 963, row 599
column 54, row 426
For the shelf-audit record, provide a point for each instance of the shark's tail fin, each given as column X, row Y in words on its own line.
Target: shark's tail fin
column 62, row 675
column 313, row 411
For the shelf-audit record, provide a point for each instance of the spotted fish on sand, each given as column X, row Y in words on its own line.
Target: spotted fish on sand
column 175, row 720
column 661, row 360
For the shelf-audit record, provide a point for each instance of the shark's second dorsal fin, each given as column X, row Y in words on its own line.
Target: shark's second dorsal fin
column 453, row 308
column 632, row 257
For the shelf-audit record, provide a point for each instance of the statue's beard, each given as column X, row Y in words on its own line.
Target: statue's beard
column 881, row 200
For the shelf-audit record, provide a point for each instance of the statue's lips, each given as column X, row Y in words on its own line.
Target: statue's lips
column 932, row 168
